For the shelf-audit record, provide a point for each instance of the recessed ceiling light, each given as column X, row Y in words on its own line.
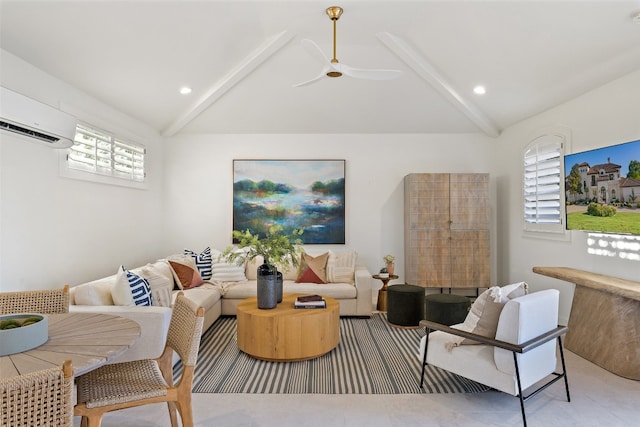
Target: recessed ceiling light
column 185, row 90
column 479, row 90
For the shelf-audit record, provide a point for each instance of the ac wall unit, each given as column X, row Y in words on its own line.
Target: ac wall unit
column 21, row 115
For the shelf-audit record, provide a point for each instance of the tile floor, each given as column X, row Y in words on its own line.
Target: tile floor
column 598, row 398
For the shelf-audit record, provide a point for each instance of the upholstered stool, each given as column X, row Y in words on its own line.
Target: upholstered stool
column 405, row 305
column 446, row 309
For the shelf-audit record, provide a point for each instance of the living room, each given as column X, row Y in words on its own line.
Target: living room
column 58, row 231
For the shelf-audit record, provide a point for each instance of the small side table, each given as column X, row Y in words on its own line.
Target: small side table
column 382, row 292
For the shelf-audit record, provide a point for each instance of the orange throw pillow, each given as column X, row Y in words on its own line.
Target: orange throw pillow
column 313, row 269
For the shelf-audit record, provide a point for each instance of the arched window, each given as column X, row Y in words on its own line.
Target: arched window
column 543, row 177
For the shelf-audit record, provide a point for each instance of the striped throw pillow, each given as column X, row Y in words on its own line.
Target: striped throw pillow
column 341, row 267
column 203, row 261
column 130, row 289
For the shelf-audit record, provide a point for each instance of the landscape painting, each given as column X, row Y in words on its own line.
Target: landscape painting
column 296, row 194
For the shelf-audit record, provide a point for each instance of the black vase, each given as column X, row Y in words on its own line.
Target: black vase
column 267, row 293
column 279, row 286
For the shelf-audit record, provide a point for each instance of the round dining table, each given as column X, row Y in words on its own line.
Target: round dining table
column 89, row 340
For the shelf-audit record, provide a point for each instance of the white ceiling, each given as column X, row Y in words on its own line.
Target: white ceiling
column 242, row 57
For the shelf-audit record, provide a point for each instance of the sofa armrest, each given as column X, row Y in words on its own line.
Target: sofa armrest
column 364, row 290
column 154, row 325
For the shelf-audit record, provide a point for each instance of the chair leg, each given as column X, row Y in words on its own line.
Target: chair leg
column 172, row 414
column 424, row 358
column 524, row 416
column 564, row 369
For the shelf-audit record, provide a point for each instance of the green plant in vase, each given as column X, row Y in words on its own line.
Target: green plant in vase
column 276, row 249
column 388, row 261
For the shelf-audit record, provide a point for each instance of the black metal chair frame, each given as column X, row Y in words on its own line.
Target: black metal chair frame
column 514, row 348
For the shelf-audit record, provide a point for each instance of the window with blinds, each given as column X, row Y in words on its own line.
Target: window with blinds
column 99, row 152
column 543, row 175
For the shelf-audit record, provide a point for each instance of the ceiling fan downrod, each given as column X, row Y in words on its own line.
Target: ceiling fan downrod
column 334, row 13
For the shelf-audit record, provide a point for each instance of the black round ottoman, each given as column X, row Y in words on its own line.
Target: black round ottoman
column 446, row 309
column 405, row 305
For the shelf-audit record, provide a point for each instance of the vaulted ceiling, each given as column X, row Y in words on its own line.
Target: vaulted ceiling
column 242, row 58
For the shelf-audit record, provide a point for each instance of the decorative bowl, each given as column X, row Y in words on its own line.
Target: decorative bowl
column 18, row 336
column 383, row 275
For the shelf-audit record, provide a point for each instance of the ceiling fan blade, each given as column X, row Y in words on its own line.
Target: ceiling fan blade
column 314, row 50
column 315, row 79
column 370, row 74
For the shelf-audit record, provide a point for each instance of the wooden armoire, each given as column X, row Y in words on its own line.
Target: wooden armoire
column 446, row 230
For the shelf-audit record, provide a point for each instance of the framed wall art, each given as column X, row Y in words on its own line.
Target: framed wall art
column 296, row 194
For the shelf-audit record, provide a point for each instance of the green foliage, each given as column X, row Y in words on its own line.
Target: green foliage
column 334, row 186
column 634, row 169
column 596, row 209
column 264, row 186
column 574, row 181
column 276, row 248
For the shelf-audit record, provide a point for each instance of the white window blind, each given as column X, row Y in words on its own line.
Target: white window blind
column 543, row 174
column 100, row 152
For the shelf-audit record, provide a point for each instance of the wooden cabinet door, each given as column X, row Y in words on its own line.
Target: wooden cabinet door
column 447, row 230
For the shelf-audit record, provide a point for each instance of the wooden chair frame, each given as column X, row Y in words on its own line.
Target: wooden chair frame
column 178, row 397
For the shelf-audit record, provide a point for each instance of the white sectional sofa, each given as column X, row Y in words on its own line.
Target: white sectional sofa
column 219, row 295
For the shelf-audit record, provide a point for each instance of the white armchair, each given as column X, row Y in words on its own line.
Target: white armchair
column 522, row 353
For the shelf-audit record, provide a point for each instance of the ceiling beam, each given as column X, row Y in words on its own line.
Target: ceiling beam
column 235, row 76
column 430, row 74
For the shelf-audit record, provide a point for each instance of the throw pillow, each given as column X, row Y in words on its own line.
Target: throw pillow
column 130, row 289
column 203, row 262
column 223, row 271
column 489, row 309
column 160, row 278
column 185, row 272
column 341, row 267
column 312, row 269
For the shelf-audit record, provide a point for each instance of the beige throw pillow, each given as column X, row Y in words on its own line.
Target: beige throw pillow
column 485, row 312
column 341, row 267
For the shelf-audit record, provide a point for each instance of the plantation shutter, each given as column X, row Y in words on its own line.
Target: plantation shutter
column 99, row 152
column 542, row 184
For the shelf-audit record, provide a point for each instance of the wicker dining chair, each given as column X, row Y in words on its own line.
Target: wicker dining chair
column 40, row 398
column 42, row 301
column 141, row 382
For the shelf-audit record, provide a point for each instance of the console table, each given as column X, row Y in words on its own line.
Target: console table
column 604, row 324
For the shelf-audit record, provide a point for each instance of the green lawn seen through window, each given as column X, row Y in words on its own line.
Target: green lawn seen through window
column 621, row 222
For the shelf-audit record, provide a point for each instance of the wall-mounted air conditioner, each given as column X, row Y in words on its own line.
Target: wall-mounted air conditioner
column 38, row 122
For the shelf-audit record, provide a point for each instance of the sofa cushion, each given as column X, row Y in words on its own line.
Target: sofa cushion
column 130, row 289
column 242, row 290
column 203, row 262
column 341, row 266
column 312, row 269
column 205, row 296
column 333, row 290
column 97, row 292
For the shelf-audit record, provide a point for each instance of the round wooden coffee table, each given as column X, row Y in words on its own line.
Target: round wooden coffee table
column 286, row 333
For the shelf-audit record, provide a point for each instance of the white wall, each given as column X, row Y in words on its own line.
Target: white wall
column 606, row 116
column 58, row 231
column 199, row 180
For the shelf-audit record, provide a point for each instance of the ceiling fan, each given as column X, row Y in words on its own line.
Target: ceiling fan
column 333, row 68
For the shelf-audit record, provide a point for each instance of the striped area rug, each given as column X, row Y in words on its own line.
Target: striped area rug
column 372, row 358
